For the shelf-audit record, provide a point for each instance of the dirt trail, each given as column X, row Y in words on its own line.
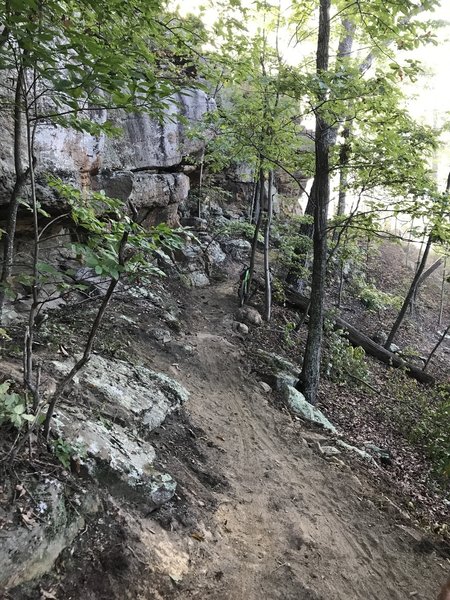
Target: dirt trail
column 290, row 524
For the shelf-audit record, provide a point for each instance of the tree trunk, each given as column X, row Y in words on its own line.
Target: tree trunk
column 257, row 228
column 267, row 278
column 441, row 339
column 344, row 50
column 441, row 300
column 409, row 295
column 431, row 269
column 20, row 177
column 310, row 375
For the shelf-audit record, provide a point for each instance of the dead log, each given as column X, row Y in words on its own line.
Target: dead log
column 431, row 269
column 357, row 338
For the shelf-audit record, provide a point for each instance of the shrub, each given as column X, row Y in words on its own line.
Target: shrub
column 433, row 431
column 373, row 298
column 13, row 407
column 344, row 361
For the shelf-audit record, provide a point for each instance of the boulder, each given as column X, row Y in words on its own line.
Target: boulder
column 265, row 387
column 130, row 394
column 216, row 255
column 237, row 249
column 155, row 196
column 241, row 328
column 47, row 525
column 249, row 315
column 281, row 371
column 298, row 404
column 115, row 457
column 198, row 279
column 125, row 402
column 361, row 453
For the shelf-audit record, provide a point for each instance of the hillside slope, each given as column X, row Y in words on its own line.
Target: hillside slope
column 272, row 519
column 258, row 512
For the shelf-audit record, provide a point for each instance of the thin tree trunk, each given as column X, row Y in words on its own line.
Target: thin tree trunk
column 310, row 375
column 255, row 196
column 20, row 177
column 431, row 269
column 441, row 339
column 341, row 284
column 257, row 228
column 268, row 283
column 200, row 183
column 423, row 278
column 35, row 288
column 409, row 243
column 409, row 295
column 441, row 301
column 344, row 50
column 90, row 341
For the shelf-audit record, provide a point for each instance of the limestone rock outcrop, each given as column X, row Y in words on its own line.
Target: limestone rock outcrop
column 143, row 163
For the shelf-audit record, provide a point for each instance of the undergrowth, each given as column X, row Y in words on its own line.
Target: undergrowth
column 423, row 418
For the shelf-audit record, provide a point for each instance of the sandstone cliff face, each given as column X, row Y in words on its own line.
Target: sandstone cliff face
column 125, row 166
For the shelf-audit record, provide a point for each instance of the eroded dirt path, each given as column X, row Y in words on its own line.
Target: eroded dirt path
column 289, row 525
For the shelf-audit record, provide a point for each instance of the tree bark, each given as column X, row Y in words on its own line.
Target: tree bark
column 267, row 278
column 20, row 177
column 409, row 295
column 310, row 375
column 257, row 228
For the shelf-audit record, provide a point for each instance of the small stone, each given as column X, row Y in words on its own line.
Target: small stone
column 329, row 450
column 242, row 328
column 250, row 315
column 265, row 387
column 162, row 335
column 394, row 348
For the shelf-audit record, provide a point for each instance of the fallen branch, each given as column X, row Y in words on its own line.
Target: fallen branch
column 357, row 338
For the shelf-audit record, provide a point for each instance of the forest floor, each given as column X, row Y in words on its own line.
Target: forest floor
column 259, row 513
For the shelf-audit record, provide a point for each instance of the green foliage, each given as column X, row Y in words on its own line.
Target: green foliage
column 292, row 247
column 289, row 328
column 422, row 416
column 13, row 407
column 102, row 54
column 433, row 431
column 240, row 229
column 278, row 291
column 64, row 451
column 373, row 298
column 345, row 363
column 104, row 221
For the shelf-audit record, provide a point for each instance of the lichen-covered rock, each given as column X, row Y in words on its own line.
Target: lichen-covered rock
column 297, row 402
column 277, row 363
column 130, row 393
column 125, row 403
column 115, row 456
column 47, row 525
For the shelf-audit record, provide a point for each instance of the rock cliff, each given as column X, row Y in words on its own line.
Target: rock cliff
column 144, row 163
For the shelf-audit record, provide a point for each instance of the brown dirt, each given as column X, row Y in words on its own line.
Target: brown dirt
column 258, row 514
column 289, row 524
